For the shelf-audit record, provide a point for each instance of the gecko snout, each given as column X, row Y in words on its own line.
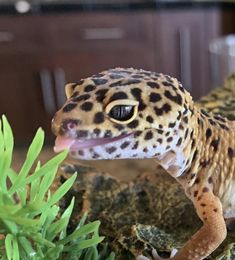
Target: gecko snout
column 65, row 126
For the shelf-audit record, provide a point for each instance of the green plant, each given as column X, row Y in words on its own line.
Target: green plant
column 31, row 224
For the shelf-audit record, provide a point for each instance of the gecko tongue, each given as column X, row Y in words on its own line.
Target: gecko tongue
column 62, row 143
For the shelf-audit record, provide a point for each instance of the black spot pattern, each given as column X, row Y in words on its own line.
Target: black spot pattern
column 169, row 139
column 185, row 119
column 100, row 94
column 149, row 135
column 137, row 76
column 153, row 84
column 119, row 95
column 154, row 97
column 149, row 119
column 204, row 163
column 215, row 144
column 69, row 107
column 97, row 132
column 231, row 152
column 164, row 109
column 135, row 145
column 111, row 149
column 99, row 81
column 179, row 141
column 204, row 113
column 224, row 127
column 195, row 155
column 87, row 106
column 133, row 124
column 89, row 88
column 186, row 134
column 81, row 98
column 179, row 115
column 177, row 99
column 82, row 133
column 208, row 133
column 136, row 92
column 124, row 145
column 171, row 125
column 108, row 133
column 119, row 127
column 81, row 152
column 125, row 82
column 116, row 76
column 99, row 118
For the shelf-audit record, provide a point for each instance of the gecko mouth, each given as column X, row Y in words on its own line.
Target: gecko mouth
column 63, row 143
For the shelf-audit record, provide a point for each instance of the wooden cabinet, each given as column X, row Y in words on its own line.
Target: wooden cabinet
column 21, row 98
column 40, row 53
column 88, row 43
column 183, row 38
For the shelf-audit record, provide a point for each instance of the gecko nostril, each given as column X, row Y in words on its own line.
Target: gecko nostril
column 71, row 126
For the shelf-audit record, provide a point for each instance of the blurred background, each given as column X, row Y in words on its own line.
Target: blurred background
column 45, row 43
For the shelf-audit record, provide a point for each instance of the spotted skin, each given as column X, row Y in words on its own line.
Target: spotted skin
column 195, row 147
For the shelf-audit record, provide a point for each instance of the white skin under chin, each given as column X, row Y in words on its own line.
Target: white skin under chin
column 125, row 153
column 172, row 158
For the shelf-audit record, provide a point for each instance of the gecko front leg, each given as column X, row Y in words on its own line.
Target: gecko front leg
column 210, row 235
column 213, row 231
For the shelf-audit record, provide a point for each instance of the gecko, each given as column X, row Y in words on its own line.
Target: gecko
column 132, row 113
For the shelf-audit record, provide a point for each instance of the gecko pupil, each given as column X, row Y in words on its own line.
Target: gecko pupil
column 122, row 112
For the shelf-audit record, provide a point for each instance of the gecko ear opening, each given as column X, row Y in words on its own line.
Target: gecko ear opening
column 122, row 111
column 69, row 88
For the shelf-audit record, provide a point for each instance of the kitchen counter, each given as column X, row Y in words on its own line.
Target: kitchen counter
column 50, row 6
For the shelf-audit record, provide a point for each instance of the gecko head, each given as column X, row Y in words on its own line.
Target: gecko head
column 121, row 113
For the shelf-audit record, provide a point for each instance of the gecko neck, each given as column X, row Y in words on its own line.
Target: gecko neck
column 178, row 158
column 204, row 147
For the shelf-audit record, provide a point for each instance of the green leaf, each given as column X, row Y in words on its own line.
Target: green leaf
column 48, row 218
column 39, row 239
column 83, row 231
column 34, row 185
column 61, row 224
column 54, row 253
column 67, row 214
column 8, row 135
column 111, row 256
column 2, row 144
column 9, row 246
column 57, row 160
column 16, row 255
column 84, row 244
column 31, row 156
column 12, row 175
column 27, row 247
column 61, row 191
column 46, row 183
column 92, row 253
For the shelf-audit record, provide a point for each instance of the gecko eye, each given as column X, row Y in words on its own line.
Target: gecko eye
column 122, row 111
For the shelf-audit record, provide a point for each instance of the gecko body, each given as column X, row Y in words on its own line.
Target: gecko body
column 129, row 113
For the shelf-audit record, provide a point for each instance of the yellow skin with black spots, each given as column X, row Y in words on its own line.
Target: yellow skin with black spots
column 129, row 113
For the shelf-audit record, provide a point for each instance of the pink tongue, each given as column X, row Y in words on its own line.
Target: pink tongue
column 62, row 143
